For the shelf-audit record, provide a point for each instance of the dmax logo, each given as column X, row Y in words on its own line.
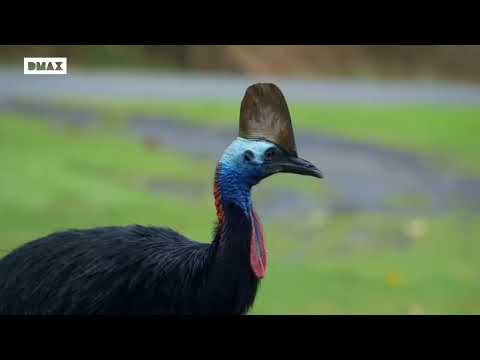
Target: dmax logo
column 45, row 66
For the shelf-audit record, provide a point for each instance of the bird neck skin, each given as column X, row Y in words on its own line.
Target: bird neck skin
column 230, row 189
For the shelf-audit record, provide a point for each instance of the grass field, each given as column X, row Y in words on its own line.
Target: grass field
column 449, row 134
column 57, row 179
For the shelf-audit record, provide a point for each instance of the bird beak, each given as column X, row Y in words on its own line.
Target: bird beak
column 295, row 165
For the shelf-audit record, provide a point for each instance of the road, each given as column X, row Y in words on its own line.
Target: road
column 158, row 86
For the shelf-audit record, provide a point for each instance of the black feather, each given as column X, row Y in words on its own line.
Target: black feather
column 133, row 270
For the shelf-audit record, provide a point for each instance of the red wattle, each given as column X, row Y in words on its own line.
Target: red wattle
column 258, row 261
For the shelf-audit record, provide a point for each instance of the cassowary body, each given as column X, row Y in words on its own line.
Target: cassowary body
column 141, row 270
column 133, row 270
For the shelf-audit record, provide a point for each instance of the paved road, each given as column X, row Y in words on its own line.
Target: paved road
column 157, row 86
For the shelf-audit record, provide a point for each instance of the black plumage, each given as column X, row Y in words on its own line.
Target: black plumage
column 133, row 270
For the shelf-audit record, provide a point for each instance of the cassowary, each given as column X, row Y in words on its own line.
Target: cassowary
column 150, row 270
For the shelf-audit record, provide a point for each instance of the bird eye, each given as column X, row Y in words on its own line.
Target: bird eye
column 248, row 155
column 269, row 154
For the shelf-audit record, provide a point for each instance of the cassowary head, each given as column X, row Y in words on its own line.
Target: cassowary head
column 265, row 146
column 266, row 143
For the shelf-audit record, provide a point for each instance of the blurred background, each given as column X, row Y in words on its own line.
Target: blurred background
column 132, row 135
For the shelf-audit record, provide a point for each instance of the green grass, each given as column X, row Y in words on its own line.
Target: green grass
column 54, row 179
column 436, row 273
column 61, row 180
column 446, row 133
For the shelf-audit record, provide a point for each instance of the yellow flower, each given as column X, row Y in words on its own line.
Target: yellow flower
column 393, row 279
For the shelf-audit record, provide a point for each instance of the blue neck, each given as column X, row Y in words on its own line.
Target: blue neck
column 235, row 176
column 233, row 188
